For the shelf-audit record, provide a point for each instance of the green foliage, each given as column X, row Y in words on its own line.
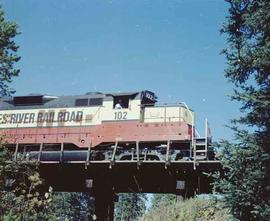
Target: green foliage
column 188, row 210
column 8, row 53
column 164, row 199
column 246, row 162
column 248, row 59
column 22, row 197
column 242, row 184
column 130, row 206
column 20, row 191
column 72, row 206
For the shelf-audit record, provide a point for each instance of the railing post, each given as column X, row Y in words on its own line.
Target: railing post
column 145, row 154
column 114, row 152
column 40, row 151
column 61, row 152
column 194, row 145
column 167, row 154
column 16, row 151
column 138, row 153
column 87, row 162
column 206, row 135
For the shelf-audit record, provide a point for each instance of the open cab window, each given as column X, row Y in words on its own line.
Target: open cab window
column 121, row 102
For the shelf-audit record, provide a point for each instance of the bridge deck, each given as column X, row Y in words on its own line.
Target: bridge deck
column 103, row 178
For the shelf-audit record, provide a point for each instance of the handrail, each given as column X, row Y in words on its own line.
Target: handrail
column 197, row 133
column 180, row 104
column 97, row 112
column 156, row 118
column 193, row 146
column 206, row 134
column 164, row 116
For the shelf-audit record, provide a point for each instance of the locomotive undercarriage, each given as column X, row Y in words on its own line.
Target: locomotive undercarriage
column 167, row 152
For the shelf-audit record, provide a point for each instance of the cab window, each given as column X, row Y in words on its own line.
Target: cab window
column 120, row 102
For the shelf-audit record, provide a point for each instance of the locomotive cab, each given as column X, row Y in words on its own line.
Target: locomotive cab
column 128, row 106
column 122, row 101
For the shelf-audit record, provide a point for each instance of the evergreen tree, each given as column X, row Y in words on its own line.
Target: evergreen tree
column 82, row 206
column 20, row 183
column 130, row 206
column 20, row 196
column 246, row 182
column 8, row 53
column 72, row 206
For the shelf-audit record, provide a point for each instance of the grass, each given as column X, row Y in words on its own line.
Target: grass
column 194, row 209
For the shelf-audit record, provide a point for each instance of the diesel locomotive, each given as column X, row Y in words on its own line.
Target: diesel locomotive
column 101, row 127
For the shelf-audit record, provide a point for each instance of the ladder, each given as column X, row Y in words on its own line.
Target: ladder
column 201, row 146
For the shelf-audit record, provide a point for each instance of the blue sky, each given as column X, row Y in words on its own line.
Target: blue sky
column 168, row 46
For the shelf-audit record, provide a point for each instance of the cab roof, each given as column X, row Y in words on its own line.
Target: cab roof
column 36, row 101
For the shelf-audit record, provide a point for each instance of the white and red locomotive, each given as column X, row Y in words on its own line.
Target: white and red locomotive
column 118, row 126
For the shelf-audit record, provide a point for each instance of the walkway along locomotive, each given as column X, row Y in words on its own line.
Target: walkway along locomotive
column 116, row 127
